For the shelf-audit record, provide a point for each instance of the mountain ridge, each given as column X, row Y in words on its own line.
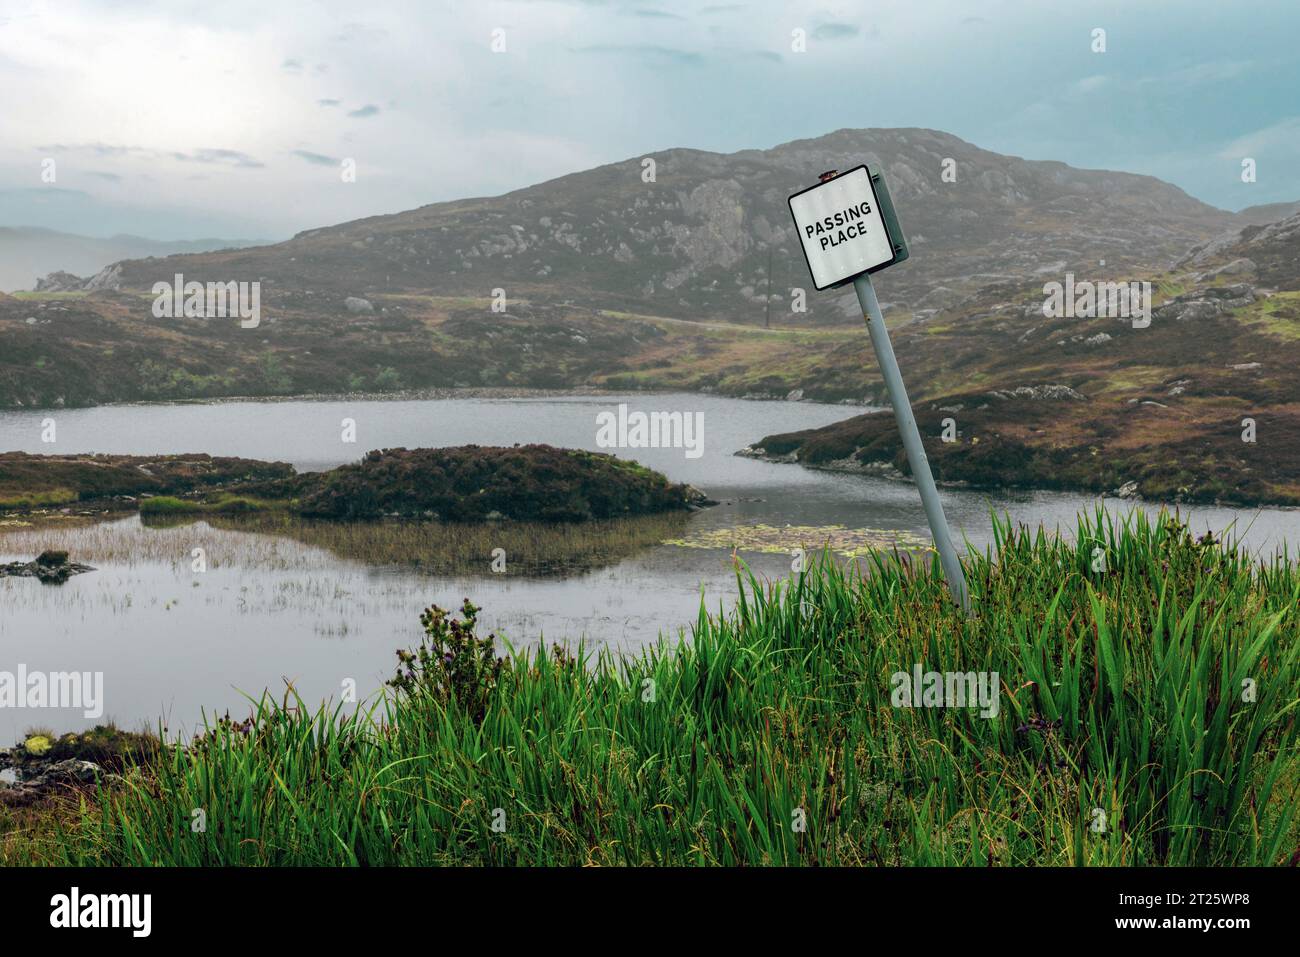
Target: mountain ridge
column 695, row 242
column 31, row 253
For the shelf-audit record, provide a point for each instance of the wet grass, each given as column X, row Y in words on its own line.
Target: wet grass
column 170, row 505
column 1147, row 716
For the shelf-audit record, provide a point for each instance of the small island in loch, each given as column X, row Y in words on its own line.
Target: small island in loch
column 533, row 483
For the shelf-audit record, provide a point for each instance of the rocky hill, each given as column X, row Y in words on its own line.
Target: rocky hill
column 695, row 242
column 1203, row 404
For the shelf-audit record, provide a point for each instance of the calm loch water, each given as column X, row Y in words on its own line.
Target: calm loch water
column 272, row 609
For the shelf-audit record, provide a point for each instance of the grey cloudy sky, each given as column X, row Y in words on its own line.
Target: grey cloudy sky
column 185, row 119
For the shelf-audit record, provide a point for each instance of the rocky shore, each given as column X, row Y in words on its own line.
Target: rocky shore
column 43, row 765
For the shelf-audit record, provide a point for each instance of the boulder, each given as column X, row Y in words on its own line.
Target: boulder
column 1238, row 292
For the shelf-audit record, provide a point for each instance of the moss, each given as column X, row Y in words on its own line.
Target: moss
column 168, row 505
column 38, row 499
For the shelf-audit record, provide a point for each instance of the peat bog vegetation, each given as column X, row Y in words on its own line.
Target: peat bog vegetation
column 1147, row 716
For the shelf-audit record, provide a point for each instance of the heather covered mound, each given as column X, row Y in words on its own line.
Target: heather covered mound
column 41, row 481
column 473, row 483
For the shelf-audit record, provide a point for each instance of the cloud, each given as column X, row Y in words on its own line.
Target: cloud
column 1283, row 136
column 647, row 51
column 359, row 33
column 83, row 76
column 97, row 149
column 1218, row 71
column 45, row 192
column 319, row 159
column 214, row 156
column 835, row 31
column 219, row 156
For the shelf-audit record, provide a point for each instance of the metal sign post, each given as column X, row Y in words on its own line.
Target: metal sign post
column 916, row 457
column 848, row 230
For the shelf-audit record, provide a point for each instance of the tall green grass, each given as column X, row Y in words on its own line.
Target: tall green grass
column 167, row 505
column 42, row 499
column 768, row 737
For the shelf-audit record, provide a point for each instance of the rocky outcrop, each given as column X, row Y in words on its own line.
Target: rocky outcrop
column 44, row 766
column 1265, row 254
column 110, row 277
column 1207, row 303
column 1046, row 391
column 60, row 282
column 42, row 780
column 50, row 567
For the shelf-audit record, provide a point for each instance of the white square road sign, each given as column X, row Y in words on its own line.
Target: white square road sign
column 841, row 228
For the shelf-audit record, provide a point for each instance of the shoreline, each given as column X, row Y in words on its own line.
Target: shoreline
column 438, row 394
column 887, row 471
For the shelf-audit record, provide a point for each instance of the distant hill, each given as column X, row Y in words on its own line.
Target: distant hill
column 1168, row 412
column 28, row 252
column 695, row 243
column 1267, row 213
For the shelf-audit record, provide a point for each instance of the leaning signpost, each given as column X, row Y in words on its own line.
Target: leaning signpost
column 848, row 230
